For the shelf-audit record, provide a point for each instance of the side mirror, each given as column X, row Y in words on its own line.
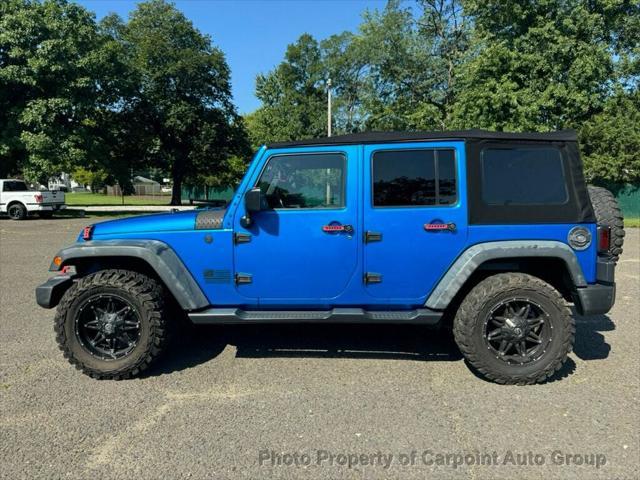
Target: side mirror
column 252, row 203
column 253, row 200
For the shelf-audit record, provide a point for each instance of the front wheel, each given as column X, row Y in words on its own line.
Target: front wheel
column 514, row 329
column 112, row 324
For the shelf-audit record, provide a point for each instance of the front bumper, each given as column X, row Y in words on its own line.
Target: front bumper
column 50, row 292
column 598, row 298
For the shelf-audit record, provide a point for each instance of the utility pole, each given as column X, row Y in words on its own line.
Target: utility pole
column 328, row 176
column 329, row 108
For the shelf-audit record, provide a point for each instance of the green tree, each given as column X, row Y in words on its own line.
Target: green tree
column 181, row 107
column 542, row 65
column 293, row 96
column 122, row 130
column 346, row 60
column 51, row 81
column 95, row 179
column 550, row 65
column 610, row 141
column 229, row 177
column 398, row 72
column 501, row 65
column 415, row 55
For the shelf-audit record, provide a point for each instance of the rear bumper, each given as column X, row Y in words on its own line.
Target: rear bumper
column 595, row 299
column 53, row 207
column 598, row 298
column 50, row 292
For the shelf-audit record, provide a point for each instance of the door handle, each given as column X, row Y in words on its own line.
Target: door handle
column 437, row 226
column 337, row 227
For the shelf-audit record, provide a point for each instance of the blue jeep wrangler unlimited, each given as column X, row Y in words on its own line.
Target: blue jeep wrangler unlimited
column 495, row 232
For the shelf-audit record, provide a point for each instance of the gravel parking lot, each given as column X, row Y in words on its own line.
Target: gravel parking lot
column 308, row 401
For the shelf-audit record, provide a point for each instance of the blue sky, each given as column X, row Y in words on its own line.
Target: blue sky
column 254, row 34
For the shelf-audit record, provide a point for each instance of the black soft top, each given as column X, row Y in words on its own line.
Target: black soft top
column 577, row 208
column 388, row 137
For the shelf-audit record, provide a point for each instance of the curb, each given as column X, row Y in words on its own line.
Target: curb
column 127, row 209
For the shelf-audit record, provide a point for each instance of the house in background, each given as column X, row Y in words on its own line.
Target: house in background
column 141, row 185
column 65, row 183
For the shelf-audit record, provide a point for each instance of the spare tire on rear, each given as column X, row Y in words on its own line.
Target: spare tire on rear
column 608, row 213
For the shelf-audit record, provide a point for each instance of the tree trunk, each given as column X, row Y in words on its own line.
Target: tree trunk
column 176, row 191
column 44, row 180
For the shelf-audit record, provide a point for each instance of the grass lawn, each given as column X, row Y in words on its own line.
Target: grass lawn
column 633, row 222
column 98, row 199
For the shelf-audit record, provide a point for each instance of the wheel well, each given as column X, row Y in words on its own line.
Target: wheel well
column 13, row 202
column 87, row 265
column 552, row 270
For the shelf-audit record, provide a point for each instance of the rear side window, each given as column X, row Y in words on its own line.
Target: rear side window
column 304, row 181
column 523, row 176
column 414, row 178
column 14, row 186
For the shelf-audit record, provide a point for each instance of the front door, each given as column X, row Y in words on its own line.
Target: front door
column 304, row 248
column 415, row 219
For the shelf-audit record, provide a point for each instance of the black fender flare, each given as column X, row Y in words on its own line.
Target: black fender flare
column 158, row 255
column 476, row 255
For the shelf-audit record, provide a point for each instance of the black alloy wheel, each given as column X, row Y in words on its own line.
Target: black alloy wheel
column 514, row 328
column 16, row 212
column 113, row 324
column 107, row 326
column 517, row 331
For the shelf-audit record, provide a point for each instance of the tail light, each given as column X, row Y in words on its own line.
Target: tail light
column 604, row 239
column 38, row 197
column 87, row 233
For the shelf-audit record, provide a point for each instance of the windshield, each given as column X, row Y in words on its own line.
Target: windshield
column 14, row 186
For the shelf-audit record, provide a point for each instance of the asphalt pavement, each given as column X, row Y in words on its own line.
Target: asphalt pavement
column 319, row 401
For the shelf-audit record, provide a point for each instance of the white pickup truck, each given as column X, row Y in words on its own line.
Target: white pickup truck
column 18, row 201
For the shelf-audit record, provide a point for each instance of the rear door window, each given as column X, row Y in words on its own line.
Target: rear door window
column 414, row 178
column 523, row 176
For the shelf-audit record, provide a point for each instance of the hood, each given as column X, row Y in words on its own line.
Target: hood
column 161, row 222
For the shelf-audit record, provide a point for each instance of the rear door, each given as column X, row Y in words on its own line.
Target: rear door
column 415, row 218
column 304, row 248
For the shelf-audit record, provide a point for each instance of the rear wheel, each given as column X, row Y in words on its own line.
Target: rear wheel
column 514, row 329
column 112, row 324
column 17, row 211
column 608, row 213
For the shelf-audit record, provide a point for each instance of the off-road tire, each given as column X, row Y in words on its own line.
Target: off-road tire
column 468, row 328
column 144, row 293
column 45, row 215
column 608, row 213
column 17, row 211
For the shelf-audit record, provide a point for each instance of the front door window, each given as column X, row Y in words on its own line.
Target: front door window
column 304, row 181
